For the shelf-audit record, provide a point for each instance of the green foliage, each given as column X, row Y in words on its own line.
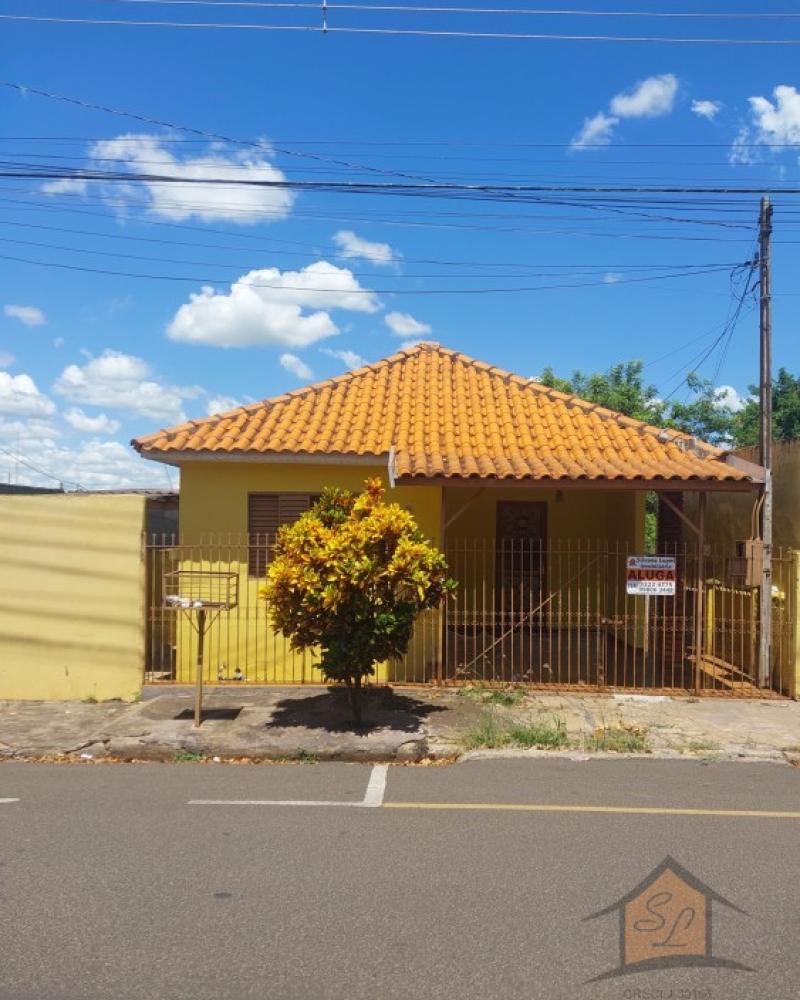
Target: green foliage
column 349, row 578
column 507, row 697
column 619, row 739
column 548, row 734
column 621, row 388
column 785, row 411
column 489, row 734
column 705, row 414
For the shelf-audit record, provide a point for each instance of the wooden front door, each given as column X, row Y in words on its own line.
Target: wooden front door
column 521, row 554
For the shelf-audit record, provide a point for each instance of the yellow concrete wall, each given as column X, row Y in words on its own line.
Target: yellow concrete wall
column 71, row 596
column 213, row 503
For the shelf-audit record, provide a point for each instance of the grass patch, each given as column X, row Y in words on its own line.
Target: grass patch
column 488, row 734
column 306, row 757
column 702, row 746
column 485, row 735
column 188, row 757
column 507, row 697
column 91, row 700
column 549, row 735
column 619, row 739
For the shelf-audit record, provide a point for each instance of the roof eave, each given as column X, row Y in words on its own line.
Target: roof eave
column 176, row 457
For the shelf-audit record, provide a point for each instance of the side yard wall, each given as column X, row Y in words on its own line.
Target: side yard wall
column 71, row 596
column 729, row 520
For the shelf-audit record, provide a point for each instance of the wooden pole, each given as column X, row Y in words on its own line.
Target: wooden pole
column 765, row 441
column 198, row 682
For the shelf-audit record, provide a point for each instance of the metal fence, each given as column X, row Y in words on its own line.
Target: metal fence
column 545, row 614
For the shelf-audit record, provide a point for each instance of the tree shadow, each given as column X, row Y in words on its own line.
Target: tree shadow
column 381, row 708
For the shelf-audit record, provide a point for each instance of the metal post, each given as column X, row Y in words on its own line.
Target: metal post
column 765, row 441
column 700, row 602
column 198, row 683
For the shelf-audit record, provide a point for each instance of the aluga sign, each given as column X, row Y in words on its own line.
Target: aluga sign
column 650, row 576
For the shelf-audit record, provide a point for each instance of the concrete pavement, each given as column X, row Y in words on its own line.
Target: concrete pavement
column 116, row 885
column 403, row 724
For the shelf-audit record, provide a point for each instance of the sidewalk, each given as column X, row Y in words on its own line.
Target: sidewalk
column 402, row 725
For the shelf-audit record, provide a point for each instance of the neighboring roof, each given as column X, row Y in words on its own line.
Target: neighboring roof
column 440, row 414
column 15, row 488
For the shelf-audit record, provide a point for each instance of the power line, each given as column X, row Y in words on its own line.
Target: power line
column 418, row 32
column 427, row 188
column 361, row 291
column 40, row 471
column 239, row 266
column 535, row 11
column 203, row 133
column 314, row 251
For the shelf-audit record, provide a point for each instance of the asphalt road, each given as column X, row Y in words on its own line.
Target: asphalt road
column 116, row 884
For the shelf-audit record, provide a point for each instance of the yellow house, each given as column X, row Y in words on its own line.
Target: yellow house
column 536, row 497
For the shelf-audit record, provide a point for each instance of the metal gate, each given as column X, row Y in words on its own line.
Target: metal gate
column 545, row 613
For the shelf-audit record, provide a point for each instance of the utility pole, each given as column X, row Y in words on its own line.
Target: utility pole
column 765, row 438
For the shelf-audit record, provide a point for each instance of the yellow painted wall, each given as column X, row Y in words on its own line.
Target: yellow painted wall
column 728, row 520
column 213, row 504
column 579, row 524
column 213, row 509
column 71, row 596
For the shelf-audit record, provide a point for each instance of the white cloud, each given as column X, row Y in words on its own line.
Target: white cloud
column 6, row 359
column 352, row 246
column 28, row 432
column 122, row 381
column 29, row 315
column 66, row 185
column 728, row 396
column 145, row 154
column 296, row 366
column 743, row 150
column 595, row 131
column 404, row 325
column 58, row 342
column 266, row 307
column 101, row 424
column 778, row 122
column 221, row 404
column 408, row 344
column 95, row 464
column 706, row 109
column 612, row 277
column 20, row 397
column 775, row 124
column 650, row 98
column 349, row 359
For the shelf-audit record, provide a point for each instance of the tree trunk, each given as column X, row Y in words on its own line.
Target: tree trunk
column 354, row 694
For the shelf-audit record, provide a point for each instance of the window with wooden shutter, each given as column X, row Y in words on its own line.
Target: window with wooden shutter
column 266, row 512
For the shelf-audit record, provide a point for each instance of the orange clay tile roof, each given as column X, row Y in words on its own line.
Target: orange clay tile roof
column 443, row 414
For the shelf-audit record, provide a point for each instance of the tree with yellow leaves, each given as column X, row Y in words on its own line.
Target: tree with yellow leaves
column 349, row 578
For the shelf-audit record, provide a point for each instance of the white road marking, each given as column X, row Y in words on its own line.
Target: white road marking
column 3, row 801
column 269, row 802
column 373, row 797
column 376, row 787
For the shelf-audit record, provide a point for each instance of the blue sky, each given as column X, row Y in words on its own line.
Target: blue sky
column 91, row 359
